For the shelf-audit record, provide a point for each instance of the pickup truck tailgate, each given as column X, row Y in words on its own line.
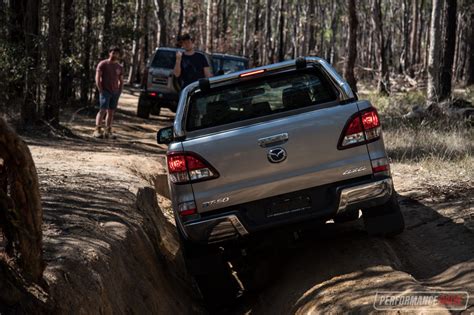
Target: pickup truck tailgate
column 247, row 173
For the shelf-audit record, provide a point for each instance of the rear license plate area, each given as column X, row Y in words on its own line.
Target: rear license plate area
column 289, row 206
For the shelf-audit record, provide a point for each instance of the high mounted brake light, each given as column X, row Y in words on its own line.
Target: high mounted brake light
column 188, row 167
column 363, row 127
column 248, row 74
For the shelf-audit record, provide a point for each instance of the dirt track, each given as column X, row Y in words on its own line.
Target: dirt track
column 105, row 254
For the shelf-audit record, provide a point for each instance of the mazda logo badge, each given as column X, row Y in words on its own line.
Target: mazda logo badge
column 277, row 155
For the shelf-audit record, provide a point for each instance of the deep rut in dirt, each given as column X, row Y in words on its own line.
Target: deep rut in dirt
column 339, row 268
column 111, row 249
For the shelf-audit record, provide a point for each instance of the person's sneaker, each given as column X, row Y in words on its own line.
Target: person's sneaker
column 109, row 134
column 98, row 132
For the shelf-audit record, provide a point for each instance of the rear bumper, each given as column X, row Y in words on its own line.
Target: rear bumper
column 216, row 229
column 365, row 196
column 234, row 223
column 165, row 99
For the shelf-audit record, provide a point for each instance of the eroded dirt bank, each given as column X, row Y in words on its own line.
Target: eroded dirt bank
column 105, row 254
column 104, row 246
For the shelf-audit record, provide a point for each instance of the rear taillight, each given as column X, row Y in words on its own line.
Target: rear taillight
column 362, row 128
column 188, row 167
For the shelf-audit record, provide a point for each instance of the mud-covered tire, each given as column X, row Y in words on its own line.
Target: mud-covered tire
column 347, row 216
column 143, row 108
column 384, row 220
column 211, row 273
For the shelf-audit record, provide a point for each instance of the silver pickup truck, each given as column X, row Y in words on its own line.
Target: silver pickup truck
column 273, row 147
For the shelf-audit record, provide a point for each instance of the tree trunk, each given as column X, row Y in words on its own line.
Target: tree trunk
column 143, row 43
column 352, row 46
column 23, row 201
column 383, row 82
column 29, row 108
column 469, row 73
column 225, row 20
column 334, row 26
column 181, row 17
column 448, row 49
column 15, row 15
column 256, row 34
column 421, row 33
column 107, row 36
column 246, row 28
column 281, row 41
column 433, row 88
column 413, row 37
column 67, row 72
column 296, row 18
column 405, row 56
column 209, row 26
column 51, row 111
column 132, row 78
column 3, row 19
column 86, row 61
column 267, row 57
column 160, row 7
column 312, row 28
column 217, row 22
column 146, row 36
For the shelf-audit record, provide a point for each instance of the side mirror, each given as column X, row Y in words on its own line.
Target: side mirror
column 165, row 135
column 220, row 72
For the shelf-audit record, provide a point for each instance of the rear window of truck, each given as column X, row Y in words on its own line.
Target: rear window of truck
column 164, row 59
column 258, row 98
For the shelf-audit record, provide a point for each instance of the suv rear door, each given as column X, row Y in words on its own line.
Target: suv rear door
column 237, row 129
column 160, row 71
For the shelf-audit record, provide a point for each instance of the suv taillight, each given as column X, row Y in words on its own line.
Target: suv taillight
column 188, row 167
column 362, row 128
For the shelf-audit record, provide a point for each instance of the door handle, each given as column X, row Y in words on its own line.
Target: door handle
column 273, row 140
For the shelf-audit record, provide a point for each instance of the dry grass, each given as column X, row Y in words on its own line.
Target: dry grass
column 427, row 142
column 441, row 146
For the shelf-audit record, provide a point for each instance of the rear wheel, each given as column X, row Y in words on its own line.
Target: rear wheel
column 211, row 273
column 384, row 220
column 143, row 109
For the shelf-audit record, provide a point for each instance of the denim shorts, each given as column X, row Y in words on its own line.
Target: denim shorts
column 109, row 100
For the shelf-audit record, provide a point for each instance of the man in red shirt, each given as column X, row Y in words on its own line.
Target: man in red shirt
column 109, row 80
